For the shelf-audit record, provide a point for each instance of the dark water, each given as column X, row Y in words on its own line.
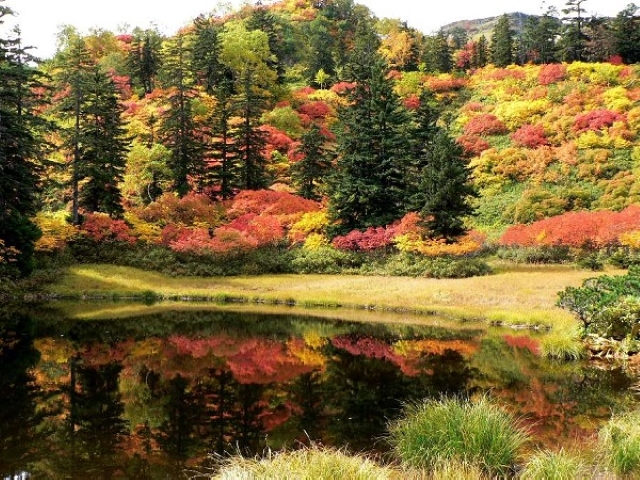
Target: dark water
column 157, row 393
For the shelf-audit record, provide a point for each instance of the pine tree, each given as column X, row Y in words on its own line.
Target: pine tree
column 104, row 149
column 574, row 39
column 143, row 60
column 180, row 133
column 367, row 187
column 21, row 149
column 502, row 43
column 308, row 173
column 207, row 68
column 626, row 31
column 439, row 186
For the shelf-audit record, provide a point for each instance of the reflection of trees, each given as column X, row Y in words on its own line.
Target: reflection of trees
column 92, row 438
column 307, row 391
column 19, row 438
column 365, row 391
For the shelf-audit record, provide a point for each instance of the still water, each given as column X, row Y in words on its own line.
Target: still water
column 128, row 391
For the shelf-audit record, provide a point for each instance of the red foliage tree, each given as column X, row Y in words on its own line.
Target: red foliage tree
column 373, row 238
column 315, row 110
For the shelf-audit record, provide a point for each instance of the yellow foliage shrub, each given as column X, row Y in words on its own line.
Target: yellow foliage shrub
column 519, row 112
column 7, row 254
column 144, row 231
column 310, row 222
column 410, row 243
column 616, row 99
column 315, row 241
column 56, row 231
column 630, row 239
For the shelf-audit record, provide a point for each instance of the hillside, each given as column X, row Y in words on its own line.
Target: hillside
column 484, row 26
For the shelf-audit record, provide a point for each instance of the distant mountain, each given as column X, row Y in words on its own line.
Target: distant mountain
column 480, row 26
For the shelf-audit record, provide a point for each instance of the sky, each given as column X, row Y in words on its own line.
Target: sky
column 40, row 20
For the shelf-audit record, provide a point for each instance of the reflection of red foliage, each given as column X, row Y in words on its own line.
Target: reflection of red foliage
column 254, row 360
column 575, row 229
column 375, row 348
column 523, row 342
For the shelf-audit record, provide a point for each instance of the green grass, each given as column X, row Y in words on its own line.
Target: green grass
column 561, row 465
column 306, row 464
column 619, row 442
column 562, row 345
column 477, row 433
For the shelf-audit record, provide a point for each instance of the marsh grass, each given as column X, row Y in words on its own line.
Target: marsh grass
column 619, row 444
column 523, row 296
column 313, row 463
column 477, row 433
column 560, row 465
column 562, row 345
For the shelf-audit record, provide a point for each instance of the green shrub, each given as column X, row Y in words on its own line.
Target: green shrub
column 619, row 442
column 543, row 255
column 555, row 466
column 326, row 260
column 607, row 306
column 477, row 433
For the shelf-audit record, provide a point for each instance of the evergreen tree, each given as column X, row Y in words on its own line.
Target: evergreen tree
column 367, row 187
column 308, row 173
column 264, row 20
column 502, row 43
column 104, row 147
column 207, row 68
column 573, row 40
column 180, row 133
column 21, row 149
column 538, row 40
column 224, row 172
column 74, row 71
column 626, row 31
column 321, row 45
column 143, row 60
column 480, row 53
column 439, row 179
column 437, row 56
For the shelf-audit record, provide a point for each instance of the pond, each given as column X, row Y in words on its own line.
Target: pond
column 146, row 392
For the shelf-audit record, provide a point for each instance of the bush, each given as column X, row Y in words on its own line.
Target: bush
column 535, row 255
column 324, row 260
column 478, row 433
column 607, row 306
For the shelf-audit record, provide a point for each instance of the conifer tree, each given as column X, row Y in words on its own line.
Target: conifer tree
column 367, row 187
column 144, row 60
column 308, row 173
column 104, row 149
column 574, row 39
column 626, row 31
column 439, row 186
column 180, row 132
column 21, row 149
column 502, row 43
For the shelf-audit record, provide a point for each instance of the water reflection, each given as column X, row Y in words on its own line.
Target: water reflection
column 150, row 395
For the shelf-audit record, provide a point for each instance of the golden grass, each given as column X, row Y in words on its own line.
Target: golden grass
column 523, row 295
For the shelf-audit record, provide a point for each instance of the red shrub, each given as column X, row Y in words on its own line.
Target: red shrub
column 315, row 110
column 270, row 202
column 596, row 120
column 371, row 239
column 473, row 145
column 551, row 73
column 531, row 136
column 342, row 87
column 575, row 229
column 102, row 228
column 485, row 124
column 412, row 102
column 441, row 85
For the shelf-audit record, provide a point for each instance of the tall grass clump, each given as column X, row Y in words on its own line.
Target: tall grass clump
column 477, row 433
column 561, row 465
column 564, row 346
column 313, row 463
column 619, row 443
